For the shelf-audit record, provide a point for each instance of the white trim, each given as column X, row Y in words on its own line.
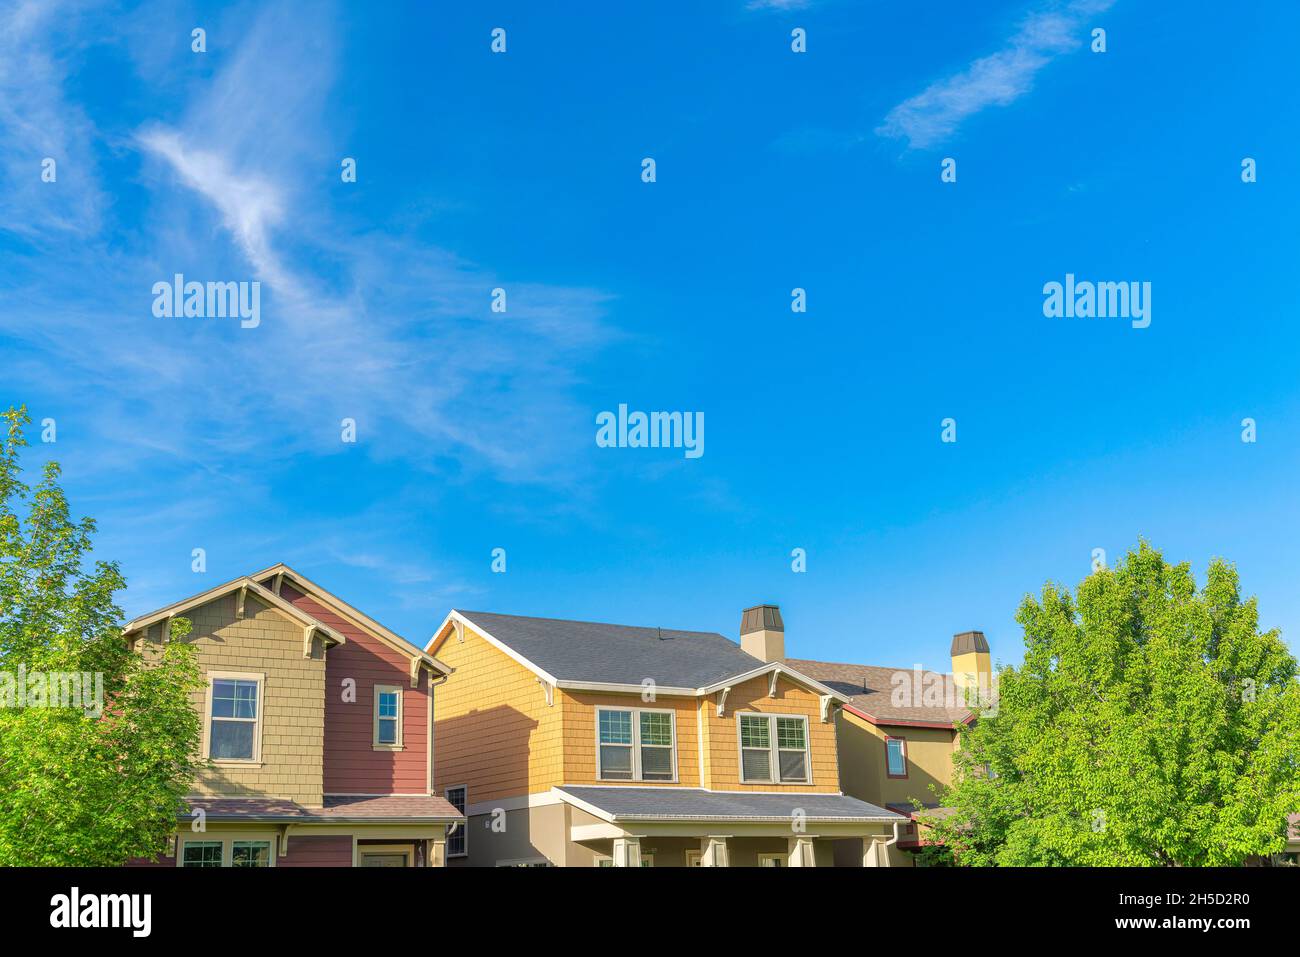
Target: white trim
column 505, row 649
column 774, row 748
column 697, row 854
column 227, row 840
column 352, row 614
column 638, row 774
column 516, row 803
column 408, row 849
column 524, row 862
column 447, row 794
column 212, row 678
column 375, row 744
column 618, row 688
column 780, row 860
column 609, row 818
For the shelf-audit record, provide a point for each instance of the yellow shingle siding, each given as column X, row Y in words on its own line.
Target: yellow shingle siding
column 580, row 734
column 493, row 730
column 722, row 741
column 862, row 761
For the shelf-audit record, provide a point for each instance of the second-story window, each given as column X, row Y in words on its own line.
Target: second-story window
column 635, row 744
column 388, row 717
column 773, row 749
column 896, row 757
column 234, row 732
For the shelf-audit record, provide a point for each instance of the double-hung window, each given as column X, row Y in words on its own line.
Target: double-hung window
column 237, row 852
column 635, row 744
column 234, row 724
column 388, row 718
column 773, row 749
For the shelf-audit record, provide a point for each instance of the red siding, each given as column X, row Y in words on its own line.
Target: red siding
column 333, row 851
column 351, row 765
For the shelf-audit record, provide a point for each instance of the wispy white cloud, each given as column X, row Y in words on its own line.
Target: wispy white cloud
column 996, row 80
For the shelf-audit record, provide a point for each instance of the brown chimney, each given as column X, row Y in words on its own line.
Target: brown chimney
column 762, row 633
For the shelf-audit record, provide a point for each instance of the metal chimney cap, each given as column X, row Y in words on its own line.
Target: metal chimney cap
column 968, row 641
column 761, row 618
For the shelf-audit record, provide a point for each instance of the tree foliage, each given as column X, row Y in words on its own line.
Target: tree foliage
column 79, row 787
column 1150, row 723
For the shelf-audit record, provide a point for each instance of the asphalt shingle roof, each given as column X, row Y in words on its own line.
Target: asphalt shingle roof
column 694, row 804
column 870, row 689
column 618, row 654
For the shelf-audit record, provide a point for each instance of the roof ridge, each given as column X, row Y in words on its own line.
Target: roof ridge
column 603, row 624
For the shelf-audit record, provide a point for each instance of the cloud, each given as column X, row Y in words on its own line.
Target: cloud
column 996, row 80
column 776, row 4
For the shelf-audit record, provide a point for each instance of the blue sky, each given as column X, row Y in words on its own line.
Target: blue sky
column 775, row 170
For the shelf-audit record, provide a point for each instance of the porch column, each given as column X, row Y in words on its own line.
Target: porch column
column 713, row 852
column 627, row 852
column 802, row 853
column 874, row 852
column 436, row 855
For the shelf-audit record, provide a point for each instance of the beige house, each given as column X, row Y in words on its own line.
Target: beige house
column 573, row 743
column 898, row 730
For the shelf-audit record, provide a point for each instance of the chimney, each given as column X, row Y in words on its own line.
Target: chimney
column 971, row 666
column 762, row 633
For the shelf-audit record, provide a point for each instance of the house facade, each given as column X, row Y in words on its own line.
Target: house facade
column 318, row 745
column 899, row 730
column 581, row 744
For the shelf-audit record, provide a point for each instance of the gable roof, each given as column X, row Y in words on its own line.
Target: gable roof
column 868, row 691
column 247, row 585
column 350, row 614
column 591, row 655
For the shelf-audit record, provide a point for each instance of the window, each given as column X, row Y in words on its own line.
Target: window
column 896, row 757
column 773, row 749
column 233, row 851
column 771, row 860
column 250, row 854
column 388, row 718
column 456, row 843
column 234, row 726
column 202, row 854
column 694, row 858
column 635, row 745
column 647, row 860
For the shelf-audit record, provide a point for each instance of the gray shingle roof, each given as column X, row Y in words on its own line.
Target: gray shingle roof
column 694, row 804
column 618, row 654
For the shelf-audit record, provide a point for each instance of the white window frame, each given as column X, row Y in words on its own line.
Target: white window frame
column 258, row 723
column 604, row 860
column 227, row 842
column 465, row 826
column 694, row 856
column 774, row 749
column 778, row 860
column 636, row 744
column 374, row 735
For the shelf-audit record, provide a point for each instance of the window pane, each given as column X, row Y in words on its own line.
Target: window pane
column 201, row 854
column 789, row 733
column 232, row 739
column 234, row 699
column 615, row 762
column 794, row 766
column 897, row 760
column 456, row 833
column 250, row 854
column 387, row 730
column 656, row 728
column 616, row 727
column 754, row 732
column 657, row 764
column 388, row 704
column 757, row 765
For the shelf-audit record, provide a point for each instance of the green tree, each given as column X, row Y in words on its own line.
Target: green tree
column 1151, row 723
column 79, row 787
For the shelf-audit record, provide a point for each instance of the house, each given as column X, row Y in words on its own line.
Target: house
column 317, row 731
column 898, row 730
column 571, row 743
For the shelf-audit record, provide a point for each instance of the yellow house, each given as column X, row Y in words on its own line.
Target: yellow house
column 898, row 729
column 569, row 743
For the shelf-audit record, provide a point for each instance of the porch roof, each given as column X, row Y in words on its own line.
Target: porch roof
column 618, row 804
column 385, row 809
